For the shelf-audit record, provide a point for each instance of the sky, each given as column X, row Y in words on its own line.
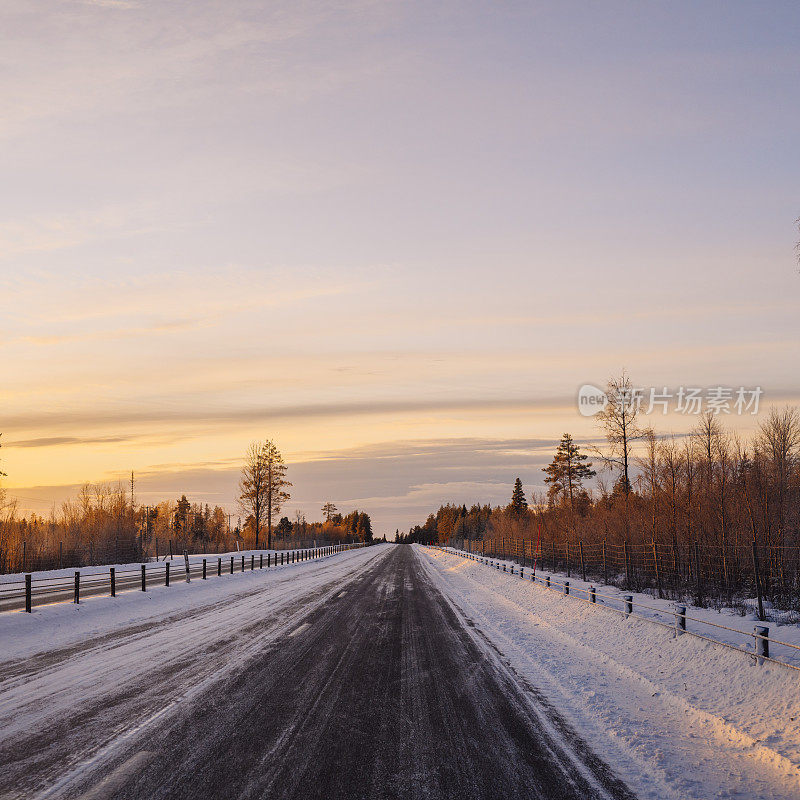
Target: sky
column 394, row 237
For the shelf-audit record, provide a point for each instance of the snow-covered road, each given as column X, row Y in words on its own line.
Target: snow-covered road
column 349, row 678
column 78, row 679
column 392, row 671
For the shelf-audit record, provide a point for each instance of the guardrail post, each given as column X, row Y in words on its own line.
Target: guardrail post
column 628, row 605
column 113, row 578
column 166, row 574
column 219, row 567
column 144, row 579
column 77, row 598
column 28, row 593
column 761, row 634
column 680, row 620
column 566, row 587
column 204, row 569
column 592, row 595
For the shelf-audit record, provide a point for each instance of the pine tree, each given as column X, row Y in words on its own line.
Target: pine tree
column 181, row 519
column 519, row 503
column 262, row 485
column 567, row 471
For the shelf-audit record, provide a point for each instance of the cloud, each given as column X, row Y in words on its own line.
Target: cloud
column 55, row 441
column 93, row 417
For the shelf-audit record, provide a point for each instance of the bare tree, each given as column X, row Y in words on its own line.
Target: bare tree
column 779, row 438
column 619, row 421
column 672, row 464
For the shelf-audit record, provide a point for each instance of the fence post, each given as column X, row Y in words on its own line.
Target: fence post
column 761, row 634
column 592, row 595
column 144, row 580
column 758, row 581
column 522, row 572
column 28, row 593
column 680, row 620
column 628, row 605
column 204, row 569
column 166, row 574
column 627, row 563
column 113, row 578
column 676, row 564
column 697, row 574
column 261, row 561
column 231, row 565
column 658, row 571
column 566, row 587
column 547, row 581
column 219, row 567
column 583, row 563
column 77, row 598
column 269, row 560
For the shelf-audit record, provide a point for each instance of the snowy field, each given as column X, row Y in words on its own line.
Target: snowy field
column 675, row 717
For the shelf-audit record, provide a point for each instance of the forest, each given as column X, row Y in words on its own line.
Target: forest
column 106, row 524
column 705, row 516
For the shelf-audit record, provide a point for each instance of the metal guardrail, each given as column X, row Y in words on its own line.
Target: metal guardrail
column 679, row 619
column 141, row 576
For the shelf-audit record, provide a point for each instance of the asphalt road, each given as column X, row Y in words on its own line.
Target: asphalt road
column 384, row 691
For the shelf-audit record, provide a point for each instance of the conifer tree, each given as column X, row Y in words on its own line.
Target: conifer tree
column 567, row 471
column 519, row 503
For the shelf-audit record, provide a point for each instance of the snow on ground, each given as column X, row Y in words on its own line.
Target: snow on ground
column 675, row 717
column 723, row 626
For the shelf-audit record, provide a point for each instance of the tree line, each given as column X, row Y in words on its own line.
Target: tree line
column 106, row 523
column 705, row 513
